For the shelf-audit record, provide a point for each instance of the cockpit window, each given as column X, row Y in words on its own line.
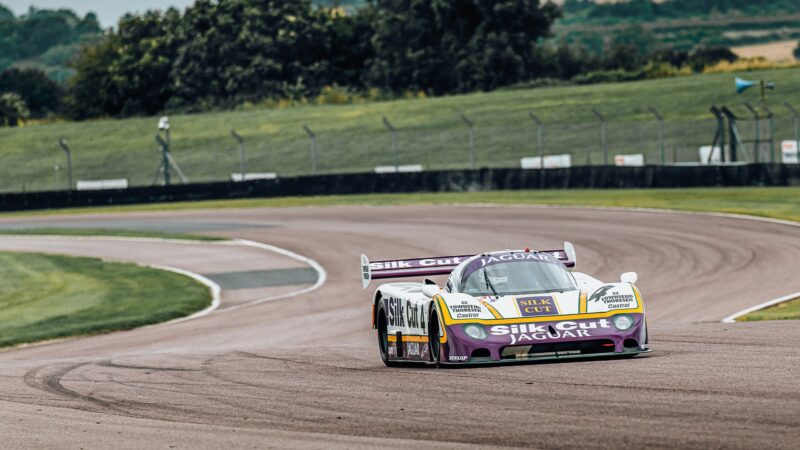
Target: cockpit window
column 518, row 277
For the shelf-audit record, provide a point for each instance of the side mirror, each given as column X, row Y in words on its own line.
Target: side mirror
column 629, row 277
column 430, row 290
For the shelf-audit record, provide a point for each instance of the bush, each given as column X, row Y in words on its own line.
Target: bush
column 797, row 51
column 609, row 76
column 12, row 110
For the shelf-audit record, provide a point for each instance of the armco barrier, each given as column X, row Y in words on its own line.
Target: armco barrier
column 587, row 177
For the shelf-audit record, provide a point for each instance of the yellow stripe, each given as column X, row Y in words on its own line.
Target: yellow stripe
column 492, row 310
column 582, row 303
column 448, row 320
column 442, row 307
column 638, row 297
column 408, row 338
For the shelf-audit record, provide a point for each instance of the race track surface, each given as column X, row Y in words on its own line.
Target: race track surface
column 304, row 371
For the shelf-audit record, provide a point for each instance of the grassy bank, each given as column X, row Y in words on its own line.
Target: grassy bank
column 105, row 232
column 46, row 297
column 777, row 203
column 353, row 137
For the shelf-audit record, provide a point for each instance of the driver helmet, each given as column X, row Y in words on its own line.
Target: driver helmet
column 498, row 275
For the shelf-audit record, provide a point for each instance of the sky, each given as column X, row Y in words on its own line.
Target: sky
column 108, row 11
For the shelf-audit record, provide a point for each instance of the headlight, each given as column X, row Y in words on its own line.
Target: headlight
column 623, row 323
column 475, row 331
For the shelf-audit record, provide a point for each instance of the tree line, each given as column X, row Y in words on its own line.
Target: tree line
column 220, row 54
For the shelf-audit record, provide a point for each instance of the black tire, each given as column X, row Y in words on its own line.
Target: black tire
column 383, row 339
column 434, row 346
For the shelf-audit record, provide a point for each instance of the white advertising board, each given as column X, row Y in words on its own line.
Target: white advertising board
column 789, row 152
column 238, row 177
column 550, row 162
column 98, row 185
column 629, row 160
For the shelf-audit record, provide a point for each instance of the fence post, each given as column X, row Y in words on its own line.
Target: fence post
column 720, row 136
column 771, row 133
column 757, row 143
column 63, row 143
column 539, row 135
column 603, row 134
column 796, row 125
column 164, row 157
column 471, row 126
column 242, row 164
column 393, row 130
column 313, row 149
column 661, row 147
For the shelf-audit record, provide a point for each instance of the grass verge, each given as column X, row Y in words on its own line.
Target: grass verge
column 48, row 296
column 777, row 203
column 106, row 232
column 783, row 311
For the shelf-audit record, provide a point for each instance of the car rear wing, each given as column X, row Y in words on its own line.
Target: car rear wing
column 439, row 265
column 402, row 268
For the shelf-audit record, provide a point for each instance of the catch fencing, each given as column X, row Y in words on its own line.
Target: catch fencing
column 463, row 141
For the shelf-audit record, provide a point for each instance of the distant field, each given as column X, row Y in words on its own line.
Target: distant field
column 774, row 51
column 353, row 138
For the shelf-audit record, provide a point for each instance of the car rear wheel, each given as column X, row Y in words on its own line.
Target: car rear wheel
column 434, row 345
column 383, row 339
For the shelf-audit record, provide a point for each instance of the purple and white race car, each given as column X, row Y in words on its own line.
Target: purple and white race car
column 504, row 306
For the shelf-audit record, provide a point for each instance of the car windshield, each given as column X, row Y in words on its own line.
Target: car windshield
column 518, row 277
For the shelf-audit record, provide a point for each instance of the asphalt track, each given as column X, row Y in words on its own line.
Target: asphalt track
column 304, row 372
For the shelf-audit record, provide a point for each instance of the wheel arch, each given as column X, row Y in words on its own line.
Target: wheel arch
column 376, row 300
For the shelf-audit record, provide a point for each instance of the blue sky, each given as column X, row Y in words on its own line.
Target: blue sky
column 108, row 11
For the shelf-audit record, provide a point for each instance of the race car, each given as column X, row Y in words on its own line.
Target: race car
column 501, row 307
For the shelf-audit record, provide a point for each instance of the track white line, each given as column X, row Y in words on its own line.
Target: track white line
column 213, row 288
column 322, row 275
column 732, row 318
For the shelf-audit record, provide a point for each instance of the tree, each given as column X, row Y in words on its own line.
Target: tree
column 12, row 110
column 247, row 50
column 42, row 95
column 93, row 91
column 444, row 46
column 703, row 57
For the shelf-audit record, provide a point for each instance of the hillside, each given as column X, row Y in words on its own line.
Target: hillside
column 353, row 138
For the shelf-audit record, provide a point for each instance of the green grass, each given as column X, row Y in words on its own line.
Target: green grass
column 107, row 232
column 353, row 138
column 777, row 203
column 783, row 311
column 47, row 297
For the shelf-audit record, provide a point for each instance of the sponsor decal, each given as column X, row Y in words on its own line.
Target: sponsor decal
column 493, row 259
column 403, row 313
column 529, row 332
column 613, row 299
column 458, row 358
column 415, row 315
column 413, row 348
column 465, row 311
column 415, row 263
column 395, row 311
column 537, row 305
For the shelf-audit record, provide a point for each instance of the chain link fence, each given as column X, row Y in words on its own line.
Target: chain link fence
column 493, row 141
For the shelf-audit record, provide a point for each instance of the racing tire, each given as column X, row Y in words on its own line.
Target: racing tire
column 434, row 346
column 383, row 339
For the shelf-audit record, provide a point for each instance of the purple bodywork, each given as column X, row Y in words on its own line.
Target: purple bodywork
column 531, row 341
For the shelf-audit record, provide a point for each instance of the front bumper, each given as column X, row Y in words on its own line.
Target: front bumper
column 542, row 341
